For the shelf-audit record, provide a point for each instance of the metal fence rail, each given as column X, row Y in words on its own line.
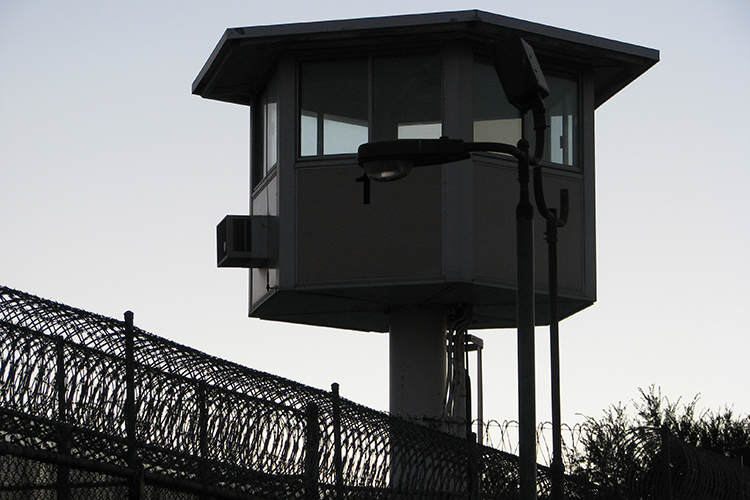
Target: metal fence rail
column 670, row 469
column 92, row 407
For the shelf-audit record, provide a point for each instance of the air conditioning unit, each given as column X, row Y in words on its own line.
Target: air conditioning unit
column 243, row 241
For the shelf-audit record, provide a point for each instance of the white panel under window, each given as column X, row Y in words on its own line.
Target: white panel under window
column 499, row 130
column 420, row 130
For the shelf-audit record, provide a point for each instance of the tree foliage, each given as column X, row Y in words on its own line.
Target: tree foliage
column 611, row 447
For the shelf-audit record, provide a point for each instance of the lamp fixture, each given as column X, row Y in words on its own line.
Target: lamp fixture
column 386, row 161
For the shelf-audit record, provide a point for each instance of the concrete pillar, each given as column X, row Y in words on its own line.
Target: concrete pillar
column 417, row 362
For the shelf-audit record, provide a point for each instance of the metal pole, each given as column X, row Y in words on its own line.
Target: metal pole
column 474, row 470
column 337, row 458
column 63, row 438
column 205, row 468
column 131, row 459
column 667, row 462
column 130, row 389
column 312, row 452
column 480, row 396
column 557, row 468
column 202, row 420
column 525, row 324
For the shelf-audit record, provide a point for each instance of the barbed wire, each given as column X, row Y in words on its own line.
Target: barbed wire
column 195, row 418
column 92, row 403
column 503, row 435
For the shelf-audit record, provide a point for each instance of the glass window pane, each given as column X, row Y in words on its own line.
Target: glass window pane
column 333, row 106
column 562, row 112
column 495, row 119
column 341, row 134
column 407, row 97
column 272, row 135
column 265, row 132
column 309, row 133
column 270, row 128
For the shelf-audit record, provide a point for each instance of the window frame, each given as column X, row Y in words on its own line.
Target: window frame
column 370, row 56
column 572, row 74
column 260, row 171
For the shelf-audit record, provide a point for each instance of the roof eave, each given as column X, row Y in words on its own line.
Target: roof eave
column 234, row 72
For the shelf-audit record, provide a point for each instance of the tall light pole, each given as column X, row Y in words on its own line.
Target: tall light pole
column 554, row 220
column 525, row 88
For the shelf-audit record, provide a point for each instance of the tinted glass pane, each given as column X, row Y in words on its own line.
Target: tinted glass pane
column 266, row 132
column 562, row 118
column 495, row 119
column 272, row 135
column 271, row 125
column 333, row 100
column 407, row 97
column 308, row 134
column 343, row 134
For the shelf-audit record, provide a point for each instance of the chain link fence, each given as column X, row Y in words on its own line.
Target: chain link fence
column 95, row 408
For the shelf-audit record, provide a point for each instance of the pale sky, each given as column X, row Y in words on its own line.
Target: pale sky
column 113, row 178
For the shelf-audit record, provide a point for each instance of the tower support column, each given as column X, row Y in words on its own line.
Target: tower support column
column 417, row 362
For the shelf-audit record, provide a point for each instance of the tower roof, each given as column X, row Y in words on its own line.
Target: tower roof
column 236, row 69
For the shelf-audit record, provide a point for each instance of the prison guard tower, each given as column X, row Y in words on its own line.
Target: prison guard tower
column 326, row 247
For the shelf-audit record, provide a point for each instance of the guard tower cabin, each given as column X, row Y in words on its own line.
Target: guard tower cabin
column 325, row 248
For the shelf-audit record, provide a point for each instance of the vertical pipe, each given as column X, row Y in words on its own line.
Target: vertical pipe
column 337, row 459
column 557, row 469
column 480, row 397
column 525, row 324
column 461, row 425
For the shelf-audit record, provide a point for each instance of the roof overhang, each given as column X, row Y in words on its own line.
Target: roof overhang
column 240, row 63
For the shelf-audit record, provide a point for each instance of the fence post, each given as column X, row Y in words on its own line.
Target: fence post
column 337, row 459
column 474, row 470
column 63, row 429
column 202, row 421
column 205, row 470
column 131, row 455
column 312, row 452
column 667, row 462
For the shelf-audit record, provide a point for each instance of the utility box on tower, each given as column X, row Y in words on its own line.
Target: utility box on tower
column 342, row 252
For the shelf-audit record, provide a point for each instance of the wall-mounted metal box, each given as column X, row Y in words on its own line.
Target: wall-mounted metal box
column 243, row 241
column 440, row 236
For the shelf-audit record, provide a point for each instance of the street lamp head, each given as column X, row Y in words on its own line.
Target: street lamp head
column 520, row 74
column 387, row 170
column 385, row 161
